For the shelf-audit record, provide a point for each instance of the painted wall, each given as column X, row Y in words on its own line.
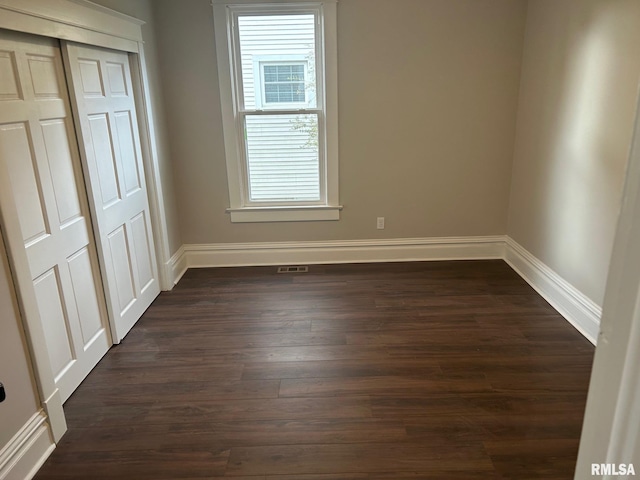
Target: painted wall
column 142, row 9
column 15, row 370
column 577, row 103
column 428, row 94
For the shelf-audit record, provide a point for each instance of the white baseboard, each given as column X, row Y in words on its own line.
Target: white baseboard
column 572, row 304
column 177, row 266
column 579, row 310
column 25, row 453
column 345, row 251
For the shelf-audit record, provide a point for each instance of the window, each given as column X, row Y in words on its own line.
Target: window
column 283, row 83
column 278, row 84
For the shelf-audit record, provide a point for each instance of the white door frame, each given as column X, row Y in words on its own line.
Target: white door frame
column 611, row 430
column 84, row 22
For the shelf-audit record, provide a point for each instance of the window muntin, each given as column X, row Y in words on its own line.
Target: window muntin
column 283, row 83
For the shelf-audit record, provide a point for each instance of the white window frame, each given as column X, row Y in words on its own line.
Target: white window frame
column 234, row 112
column 259, row 62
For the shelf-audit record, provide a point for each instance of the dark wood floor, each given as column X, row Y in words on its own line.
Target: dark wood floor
column 439, row 371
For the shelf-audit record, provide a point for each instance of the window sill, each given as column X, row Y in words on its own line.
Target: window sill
column 284, row 214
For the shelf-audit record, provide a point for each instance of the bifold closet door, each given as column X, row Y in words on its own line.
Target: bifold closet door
column 41, row 180
column 102, row 95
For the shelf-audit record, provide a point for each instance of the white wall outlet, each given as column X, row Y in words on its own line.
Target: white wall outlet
column 380, row 223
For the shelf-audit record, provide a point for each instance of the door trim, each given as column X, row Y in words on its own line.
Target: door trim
column 149, row 147
column 610, row 433
column 85, row 22
column 77, row 20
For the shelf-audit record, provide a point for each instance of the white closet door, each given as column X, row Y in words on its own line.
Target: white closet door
column 102, row 93
column 43, row 182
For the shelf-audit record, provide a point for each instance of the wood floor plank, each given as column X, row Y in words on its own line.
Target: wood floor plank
column 439, row 475
column 522, row 364
column 94, row 416
column 339, row 368
column 338, row 476
column 575, row 381
column 129, row 438
column 262, row 409
column 222, row 356
column 194, row 390
column 392, row 476
column 532, row 458
column 493, row 426
column 227, row 324
column 356, row 458
column 141, row 464
column 199, row 340
column 424, row 371
column 108, row 373
column 323, row 431
column 234, row 433
column 378, row 386
column 386, row 321
column 432, row 336
column 477, row 404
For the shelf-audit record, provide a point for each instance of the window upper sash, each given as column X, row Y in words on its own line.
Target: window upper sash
column 245, row 37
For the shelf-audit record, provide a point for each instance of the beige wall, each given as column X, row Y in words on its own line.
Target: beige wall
column 427, row 105
column 429, row 95
column 576, row 110
column 142, row 9
column 15, row 371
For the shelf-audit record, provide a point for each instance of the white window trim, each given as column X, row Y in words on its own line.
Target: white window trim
column 240, row 210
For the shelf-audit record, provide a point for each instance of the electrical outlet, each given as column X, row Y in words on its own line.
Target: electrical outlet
column 380, row 223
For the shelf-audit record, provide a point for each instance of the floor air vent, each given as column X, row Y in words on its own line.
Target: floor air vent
column 293, row 269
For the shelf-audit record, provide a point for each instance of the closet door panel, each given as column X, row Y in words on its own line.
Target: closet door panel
column 56, row 142
column 87, row 301
column 105, row 107
column 9, row 84
column 56, row 322
column 17, row 152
